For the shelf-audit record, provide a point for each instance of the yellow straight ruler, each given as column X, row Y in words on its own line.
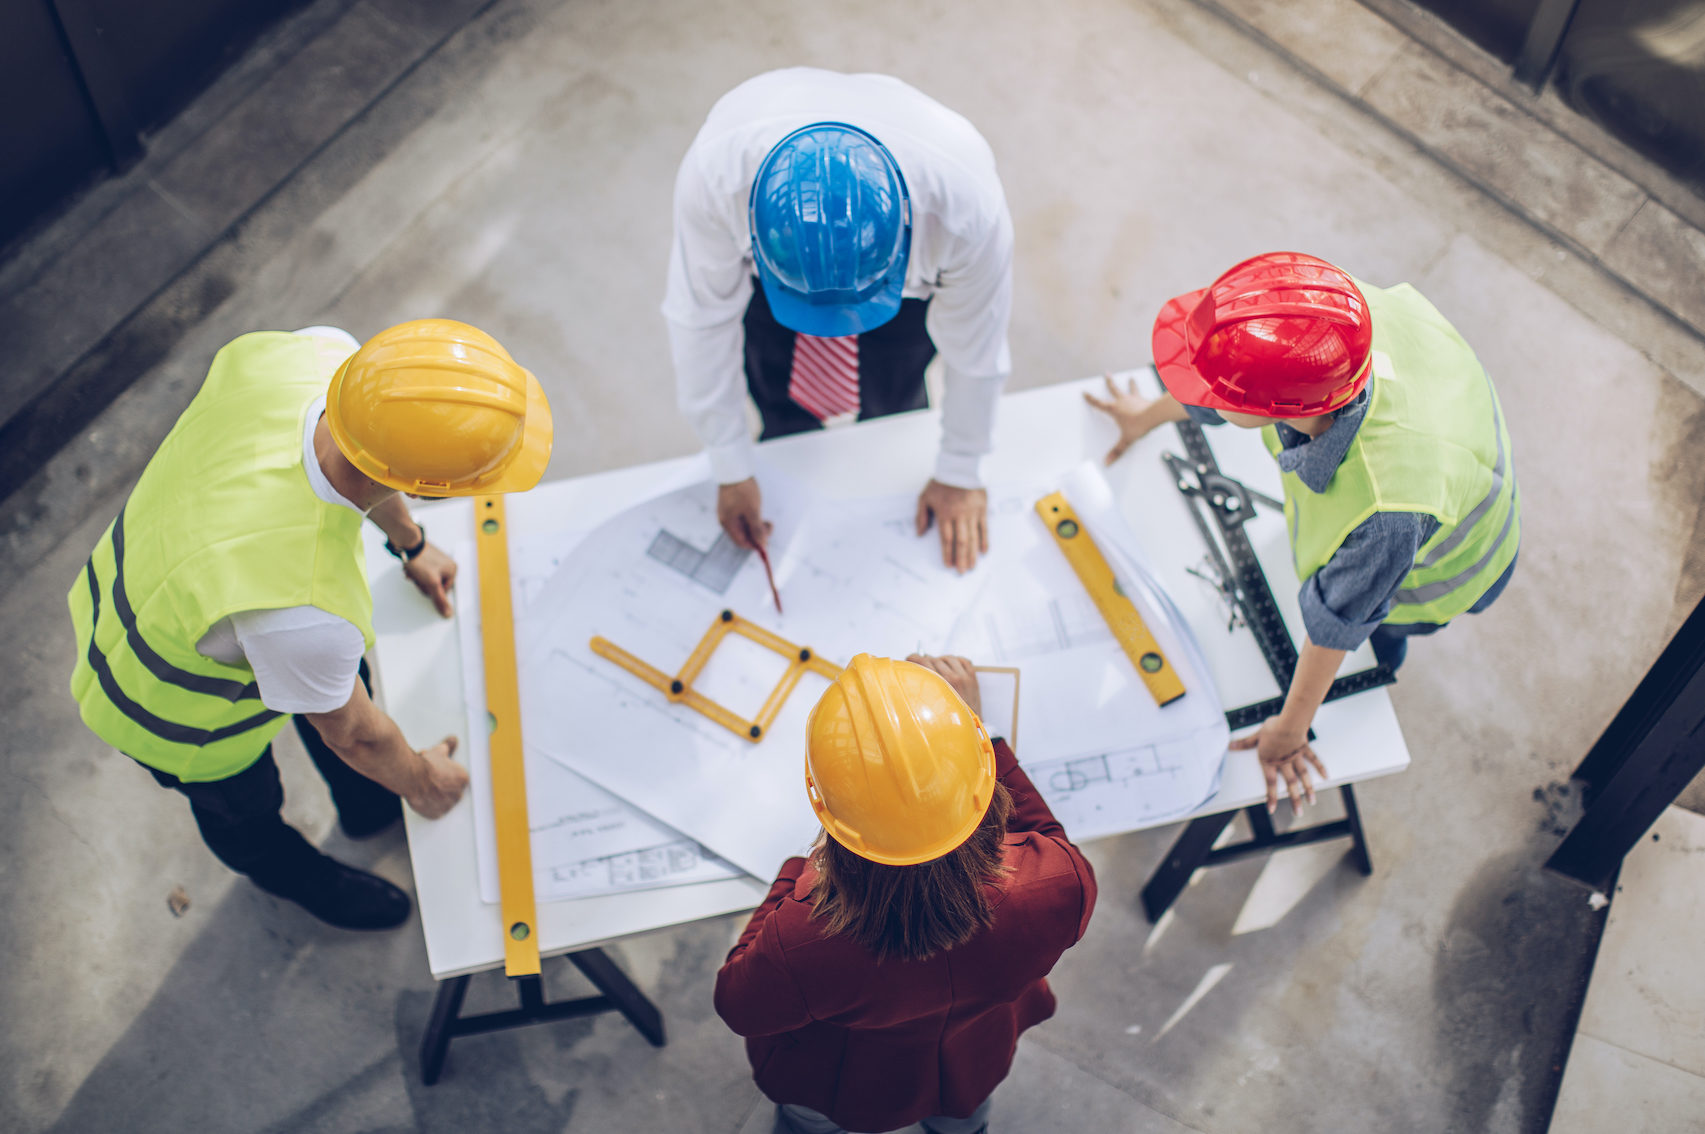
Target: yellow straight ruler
column 508, row 773
column 1121, row 615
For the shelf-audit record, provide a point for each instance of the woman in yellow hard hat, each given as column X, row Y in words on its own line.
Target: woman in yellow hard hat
column 231, row 593
column 885, row 980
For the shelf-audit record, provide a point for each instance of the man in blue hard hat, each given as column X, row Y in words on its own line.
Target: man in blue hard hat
column 832, row 232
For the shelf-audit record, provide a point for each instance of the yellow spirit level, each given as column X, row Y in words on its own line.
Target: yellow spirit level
column 508, row 773
column 1072, row 538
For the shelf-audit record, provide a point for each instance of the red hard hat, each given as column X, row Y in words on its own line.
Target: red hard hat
column 1282, row 334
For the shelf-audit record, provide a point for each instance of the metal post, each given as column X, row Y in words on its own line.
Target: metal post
column 1358, row 838
column 1169, row 880
column 101, row 83
column 624, row 996
column 617, row 994
column 435, row 1045
column 1657, row 692
column 1648, row 779
column 1545, row 34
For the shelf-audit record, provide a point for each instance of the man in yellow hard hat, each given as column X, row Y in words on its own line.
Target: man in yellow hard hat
column 885, row 980
column 231, row 591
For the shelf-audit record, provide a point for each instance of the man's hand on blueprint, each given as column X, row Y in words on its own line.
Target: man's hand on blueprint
column 962, row 514
column 441, row 780
column 1135, row 415
column 740, row 511
column 960, row 674
column 434, row 573
column 1283, row 751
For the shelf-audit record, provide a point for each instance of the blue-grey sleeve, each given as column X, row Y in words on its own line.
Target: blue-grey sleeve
column 1346, row 599
column 1202, row 415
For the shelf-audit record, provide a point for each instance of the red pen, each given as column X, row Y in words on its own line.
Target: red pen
column 764, row 558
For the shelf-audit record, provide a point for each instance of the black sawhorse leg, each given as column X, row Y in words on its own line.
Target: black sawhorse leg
column 1195, row 848
column 619, row 994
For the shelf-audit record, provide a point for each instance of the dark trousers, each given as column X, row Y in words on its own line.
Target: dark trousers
column 1390, row 641
column 891, row 361
column 240, row 821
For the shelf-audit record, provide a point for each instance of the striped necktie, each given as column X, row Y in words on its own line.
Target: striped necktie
column 825, row 375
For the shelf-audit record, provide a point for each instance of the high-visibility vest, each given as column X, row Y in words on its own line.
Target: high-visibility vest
column 1433, row 442
column 223, row 520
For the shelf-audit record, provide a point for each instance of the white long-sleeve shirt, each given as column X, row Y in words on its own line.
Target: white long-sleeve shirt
column 961, row 254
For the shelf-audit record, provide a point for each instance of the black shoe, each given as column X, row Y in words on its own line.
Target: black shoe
column 348, row 898
column 366, row 824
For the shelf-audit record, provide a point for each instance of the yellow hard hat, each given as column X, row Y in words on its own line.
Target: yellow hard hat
column 438, row 408
column 897, row 766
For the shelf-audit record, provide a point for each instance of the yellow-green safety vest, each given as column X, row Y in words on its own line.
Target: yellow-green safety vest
column 223, row 520
column 1433, row 442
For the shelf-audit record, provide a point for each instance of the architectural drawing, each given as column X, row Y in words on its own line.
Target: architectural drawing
column 1106, row 793
column 680, row 863
column 854, row 577
column 713, row 567
column 580, row 832
column 1098, row 748
column 1065, row 620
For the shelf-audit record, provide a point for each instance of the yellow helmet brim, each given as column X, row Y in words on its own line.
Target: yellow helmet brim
column 527, row 466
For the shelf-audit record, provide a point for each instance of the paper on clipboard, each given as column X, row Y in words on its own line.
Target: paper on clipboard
column 997, row 687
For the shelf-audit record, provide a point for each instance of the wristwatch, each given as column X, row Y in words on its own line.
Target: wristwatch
column 409, row 554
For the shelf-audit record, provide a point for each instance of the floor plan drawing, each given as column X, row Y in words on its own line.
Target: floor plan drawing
column 863, row 576
column 1066, row 620
column 713, row 567
column 630, row 696
column 1100, row 794
column 581, row 833
column 1096, row 745
column 680, row 863
column 854, row 577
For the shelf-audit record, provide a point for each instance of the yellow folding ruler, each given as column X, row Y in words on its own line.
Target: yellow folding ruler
column 1163, row 682
column 680, row 687
column 508, row 773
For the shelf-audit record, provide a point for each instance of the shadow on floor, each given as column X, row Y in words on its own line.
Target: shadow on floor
column 1520, row 943
column 270, row 1014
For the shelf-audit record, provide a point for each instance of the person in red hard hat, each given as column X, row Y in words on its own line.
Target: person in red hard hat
column 1400, row 492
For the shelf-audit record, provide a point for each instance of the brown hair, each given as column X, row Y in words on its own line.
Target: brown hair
column 912, row 912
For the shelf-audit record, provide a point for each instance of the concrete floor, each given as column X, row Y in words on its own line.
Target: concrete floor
column 1144, row 146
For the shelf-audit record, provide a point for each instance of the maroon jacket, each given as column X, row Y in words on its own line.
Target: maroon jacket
column 879, row 1046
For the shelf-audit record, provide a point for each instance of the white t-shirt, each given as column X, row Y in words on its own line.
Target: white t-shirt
column 961, row 255
column 305, row 659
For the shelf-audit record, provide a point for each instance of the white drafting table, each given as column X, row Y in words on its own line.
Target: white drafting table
column 1039, row 433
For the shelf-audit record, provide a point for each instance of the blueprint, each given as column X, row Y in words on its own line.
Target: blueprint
column 585, row 840
column 853, row 576
column 1097, row 747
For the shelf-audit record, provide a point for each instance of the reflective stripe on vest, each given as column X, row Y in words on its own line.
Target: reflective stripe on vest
column 1478, row 512
column 1438, row 589
column 161, row 668
column 1432, row 601
column 157, row 665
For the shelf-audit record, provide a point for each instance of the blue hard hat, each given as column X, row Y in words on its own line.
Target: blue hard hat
column 831, row 230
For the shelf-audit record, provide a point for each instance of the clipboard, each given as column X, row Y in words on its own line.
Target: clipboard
column 1000, row 701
